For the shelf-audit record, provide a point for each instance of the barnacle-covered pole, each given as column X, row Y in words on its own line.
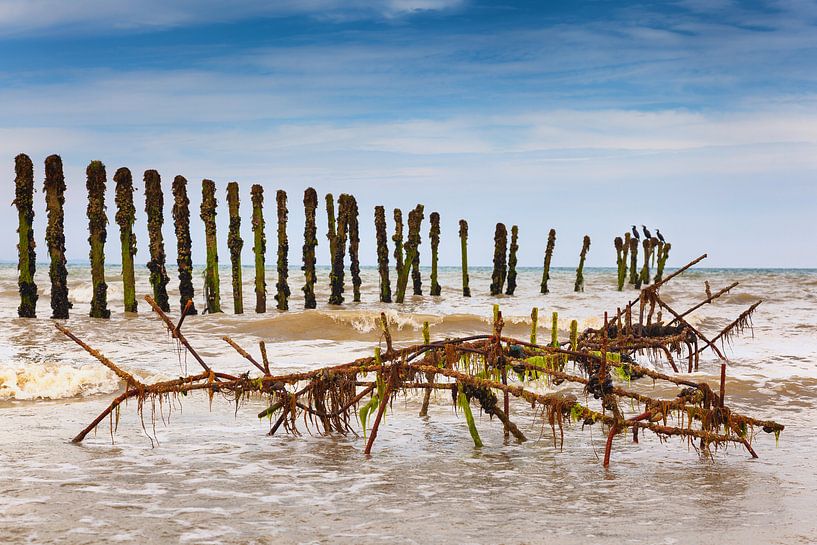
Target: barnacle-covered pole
column 27, row 264
column 125, row 218
column 466, row 290
column 416, row 279
column 382, row 253
column 621, row 263
column 434, row 236
column 282, row 287
column 512, row 260
column 354, row 247
column 310, row 242
column 633, row 261
column 97, row 221
column 184, row 256
column 500, row 264
column 235, row 244
column 154, row 207
column 212, row 292
column 339, row 243
column 415, row 218
column 534, row 324
column 397, row 238
column 259, row 247
column 331, row 233
column 54, row 188
column 626, row 253
column 579, row 285
column 644, row 276
column 548, row 257
column 663, row 255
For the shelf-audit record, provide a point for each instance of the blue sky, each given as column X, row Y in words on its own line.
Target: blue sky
column 697, row 117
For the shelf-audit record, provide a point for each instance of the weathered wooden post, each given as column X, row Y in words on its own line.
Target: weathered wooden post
column 354, row 247
column 397, row 238
column 331, row 233
column 27, row 264
column 97, row 222
column 512, row 260
column 382, row 253
column 534, row 324
column 310, row 242
column 212, row 291
column 548, row 257
column 184, row 256
column 663, row 255
column 259, row 247
column 339, row 243
column 416, row 279
column 415, row 219
column 621, row 264
column 235, row 244
column 644, row 277
column 125, row 218
column 633, row 261
column 500, row 264
column 54, row 188
column 466, row 290
column 154, row 207
column 554, row 329
column 282, row 286
column 626, row 253
column 579, row 285
column 434, row 236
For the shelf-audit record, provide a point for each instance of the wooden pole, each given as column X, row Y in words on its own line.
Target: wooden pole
column 212, row 291
column 310, row 242
column 354, row 247
column 500, row 264
column 434, row 236
column 415, row 219
column 27, row 263
column 282, row 286
column 466, row 290
column 125, row 218
column 579, row 285
column 548, row 257
column 97, row 222
column 397, row 238
column 512, row 260
column 336, row 276
column 54, row 189
column 382, row 253
column 154, row 207
column 184, row 255
column 235, row 244
column 259, row 247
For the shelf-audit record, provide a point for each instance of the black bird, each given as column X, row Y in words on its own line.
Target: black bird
column 635, row 233
column 659, row 235
column 646, row 231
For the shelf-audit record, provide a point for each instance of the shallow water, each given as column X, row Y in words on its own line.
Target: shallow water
column 215, row 477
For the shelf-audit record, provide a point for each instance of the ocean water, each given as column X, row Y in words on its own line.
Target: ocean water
column 212, row 475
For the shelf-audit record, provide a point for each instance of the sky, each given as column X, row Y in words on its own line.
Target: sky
column 697, row 117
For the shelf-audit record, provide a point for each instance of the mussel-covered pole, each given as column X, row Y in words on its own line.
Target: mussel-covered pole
column 621, row 263
column 331, row 233
column 644, row 277
column 282, row 286
column 339, row 243
column 397, row 238
column 626, row 253
column 548, row 257
column 415, row 218
column 212, row 291
column 633, row 261
column 466, row 290
column 125, row 218
column 354, row 247
column 579, row 285
column 235, row 244
column 184, row 256
column 154, row 207
column 512, row 260
column 500, row 264
column 24, row 201
column 382, row 253
column 97, row 228
column 663, row 254
column 310, row 242
column 259, row 247
column 54, row 188
column 434, row 236
column 416, row 278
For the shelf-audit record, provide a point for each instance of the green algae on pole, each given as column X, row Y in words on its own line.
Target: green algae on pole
column 466, row 290
column 579, row 285
column 663, row 254
column 259, row 247
column 310, row 242
column 212, row 290
column 184, row 257
column 27, row 264
column 382, row 253
column 644, row 276
column 434, row 236
column 154, row 207
column 548, row 257
column 512, row 260
column 354, row 247
column 534, row 324
column 397, row 238
column 415, row 219
column 54, row 189
column 235, row 243
column 500, row 264
column 125, row 218
column 282, row 287
column 633, row 261
column 331, row 233
column 97, row 222
column 621, row 263
column 336, row 274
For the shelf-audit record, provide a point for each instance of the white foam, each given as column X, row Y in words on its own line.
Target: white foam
column 50, row 381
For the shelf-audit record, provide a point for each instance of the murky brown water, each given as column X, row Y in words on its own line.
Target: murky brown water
column 217, row 478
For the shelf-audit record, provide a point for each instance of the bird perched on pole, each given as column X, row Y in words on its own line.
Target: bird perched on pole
column 659, row 235
column 646, row 231
column 635, row 233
